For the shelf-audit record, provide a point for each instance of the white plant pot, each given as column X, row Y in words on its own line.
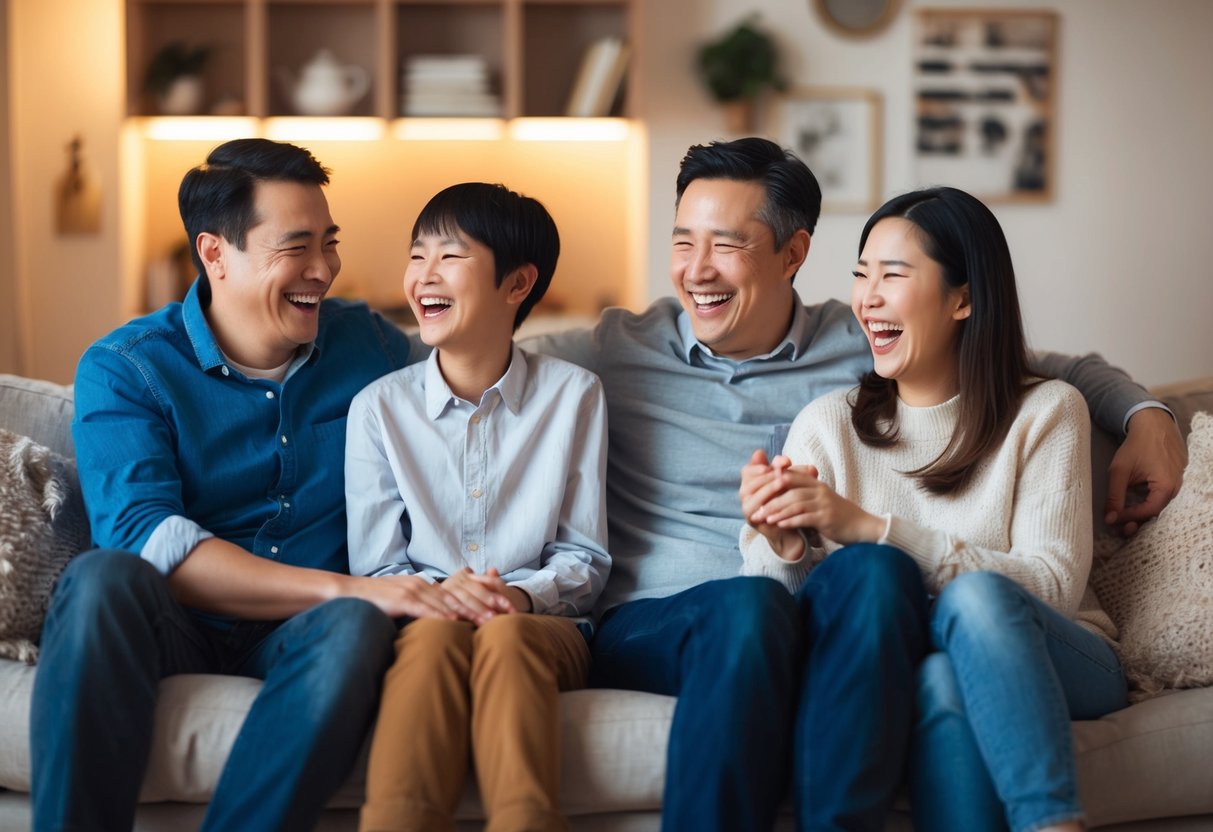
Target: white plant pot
column 183, row 97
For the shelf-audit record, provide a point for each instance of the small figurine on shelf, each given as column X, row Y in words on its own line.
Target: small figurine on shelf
column 174, row 76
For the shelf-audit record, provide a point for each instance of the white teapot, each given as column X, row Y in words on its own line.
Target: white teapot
column 325, row 87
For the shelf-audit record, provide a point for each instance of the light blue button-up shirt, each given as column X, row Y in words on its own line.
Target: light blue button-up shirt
column 174, row 445
column 435, row 483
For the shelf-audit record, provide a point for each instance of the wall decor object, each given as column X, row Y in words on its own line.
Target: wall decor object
column 836, row 131
column 985, row 84
column 856, row 18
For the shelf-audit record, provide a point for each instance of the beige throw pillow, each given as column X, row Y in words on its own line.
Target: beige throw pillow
column 42, row 525
column 1158, row 586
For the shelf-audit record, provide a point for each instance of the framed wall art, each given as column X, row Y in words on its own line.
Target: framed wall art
column 985, row 85
column 836, row 131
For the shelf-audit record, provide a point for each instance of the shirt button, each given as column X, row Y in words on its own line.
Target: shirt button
column 269, row 394
column 284, row 439
column 476, row 492
column 472, row 547
column 475, row 420
column 273, row 550
column 286, row 505
column 224, row 370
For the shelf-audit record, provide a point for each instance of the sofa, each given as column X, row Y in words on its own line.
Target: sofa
column 1148, row 767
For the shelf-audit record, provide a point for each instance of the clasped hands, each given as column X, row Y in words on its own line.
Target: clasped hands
column 465, row 596
column 781, row 500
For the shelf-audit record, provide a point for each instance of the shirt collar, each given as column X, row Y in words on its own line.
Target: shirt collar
column 510, row 387
column 206, row 348
column 791, row 345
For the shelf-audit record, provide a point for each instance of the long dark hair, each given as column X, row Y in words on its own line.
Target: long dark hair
column 962, row 235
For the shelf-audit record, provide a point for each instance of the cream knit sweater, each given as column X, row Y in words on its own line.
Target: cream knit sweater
column 1026, row 512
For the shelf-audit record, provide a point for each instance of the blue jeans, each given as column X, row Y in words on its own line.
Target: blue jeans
column 113, row 632
column 727, row 649
column 864, row 610
column 992, row 745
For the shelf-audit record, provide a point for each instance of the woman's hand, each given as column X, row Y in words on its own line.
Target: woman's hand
column 799, row 500
column 760, row 481
column 483, row 596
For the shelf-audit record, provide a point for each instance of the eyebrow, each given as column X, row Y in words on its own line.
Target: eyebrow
column 716, row 232
column 863, row 262
column 303, row 234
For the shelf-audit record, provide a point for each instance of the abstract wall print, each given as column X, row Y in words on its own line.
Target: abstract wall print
column 836, row 131
column 984, row 89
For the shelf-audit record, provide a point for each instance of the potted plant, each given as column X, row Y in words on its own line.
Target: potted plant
column 174, row 76
column 737, row 67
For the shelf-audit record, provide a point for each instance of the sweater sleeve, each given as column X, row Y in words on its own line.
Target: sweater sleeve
column 757, row 556
column 1050, row 527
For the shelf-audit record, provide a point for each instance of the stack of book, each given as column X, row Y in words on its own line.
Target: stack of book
column 447, row 85
column 599, row 79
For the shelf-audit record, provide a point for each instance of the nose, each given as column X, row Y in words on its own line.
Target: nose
column 322, row 266
column 698, row 266
column 871, row 293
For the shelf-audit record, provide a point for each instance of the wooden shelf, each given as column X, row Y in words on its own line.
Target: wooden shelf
column 532, row 48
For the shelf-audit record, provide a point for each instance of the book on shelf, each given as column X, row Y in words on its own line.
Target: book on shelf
column 598, row 79
column 447, row 85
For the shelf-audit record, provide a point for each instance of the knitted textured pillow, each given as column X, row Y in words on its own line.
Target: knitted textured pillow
column 1158, row 586
column 42, row 525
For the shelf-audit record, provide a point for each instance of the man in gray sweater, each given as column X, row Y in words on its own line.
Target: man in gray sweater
column 693, row 386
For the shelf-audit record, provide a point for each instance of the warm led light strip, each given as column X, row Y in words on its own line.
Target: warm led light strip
column 324, row 129
column 202, row 128
column 570, row 129
column 449, row 129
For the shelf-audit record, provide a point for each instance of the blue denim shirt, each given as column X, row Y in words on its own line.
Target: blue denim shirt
column 174, row 445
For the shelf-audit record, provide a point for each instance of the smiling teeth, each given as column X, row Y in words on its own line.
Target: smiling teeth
column 884, row 326
column 704, row 300
column 299, row 297
column 436, row 301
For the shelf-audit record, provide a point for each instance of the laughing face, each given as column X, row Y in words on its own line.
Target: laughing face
column 910, row 315
column 265, row 299
column 731, row 280
column 450, row 286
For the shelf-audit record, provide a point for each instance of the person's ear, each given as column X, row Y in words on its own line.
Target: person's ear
column 519, row 283
column 964, row 305
column 795, row 252
column 210, row 251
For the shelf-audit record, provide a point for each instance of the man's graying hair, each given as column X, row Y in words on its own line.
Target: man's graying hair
column 793, row 197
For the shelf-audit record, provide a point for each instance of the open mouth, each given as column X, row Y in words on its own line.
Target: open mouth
column 305, row 301
column 884, row 334
column 433, row 307
column 705, row 302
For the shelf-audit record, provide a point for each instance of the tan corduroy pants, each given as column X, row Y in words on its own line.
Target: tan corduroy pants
column 491, row 690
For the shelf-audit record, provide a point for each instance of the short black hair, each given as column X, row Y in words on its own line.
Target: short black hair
column 793, row 198
column 516, row 228
column 217, row 197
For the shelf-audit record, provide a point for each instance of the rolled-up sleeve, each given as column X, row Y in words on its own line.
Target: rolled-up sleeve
column 125, row 452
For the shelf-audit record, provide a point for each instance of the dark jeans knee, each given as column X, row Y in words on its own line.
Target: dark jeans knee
column 747, row 612
column 104, row 585
column 875, row 585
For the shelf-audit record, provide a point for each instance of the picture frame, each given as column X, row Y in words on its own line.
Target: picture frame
column 837, row 132
column 984, row 101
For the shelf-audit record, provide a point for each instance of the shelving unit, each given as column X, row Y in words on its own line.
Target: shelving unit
column 533, row 48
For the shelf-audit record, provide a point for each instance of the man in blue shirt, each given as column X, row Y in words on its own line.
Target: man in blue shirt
column 210, row 438
column 695, row 384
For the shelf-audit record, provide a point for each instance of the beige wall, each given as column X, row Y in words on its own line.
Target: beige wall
column 9, row 319
column 1114, row 264
column 67, row 70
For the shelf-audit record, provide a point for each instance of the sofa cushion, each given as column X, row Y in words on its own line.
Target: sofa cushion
column 1158, row 586
column 1148, row 761
column 38, row 409
column 42, row 525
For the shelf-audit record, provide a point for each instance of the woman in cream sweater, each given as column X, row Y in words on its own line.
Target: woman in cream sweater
column 951, row 454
